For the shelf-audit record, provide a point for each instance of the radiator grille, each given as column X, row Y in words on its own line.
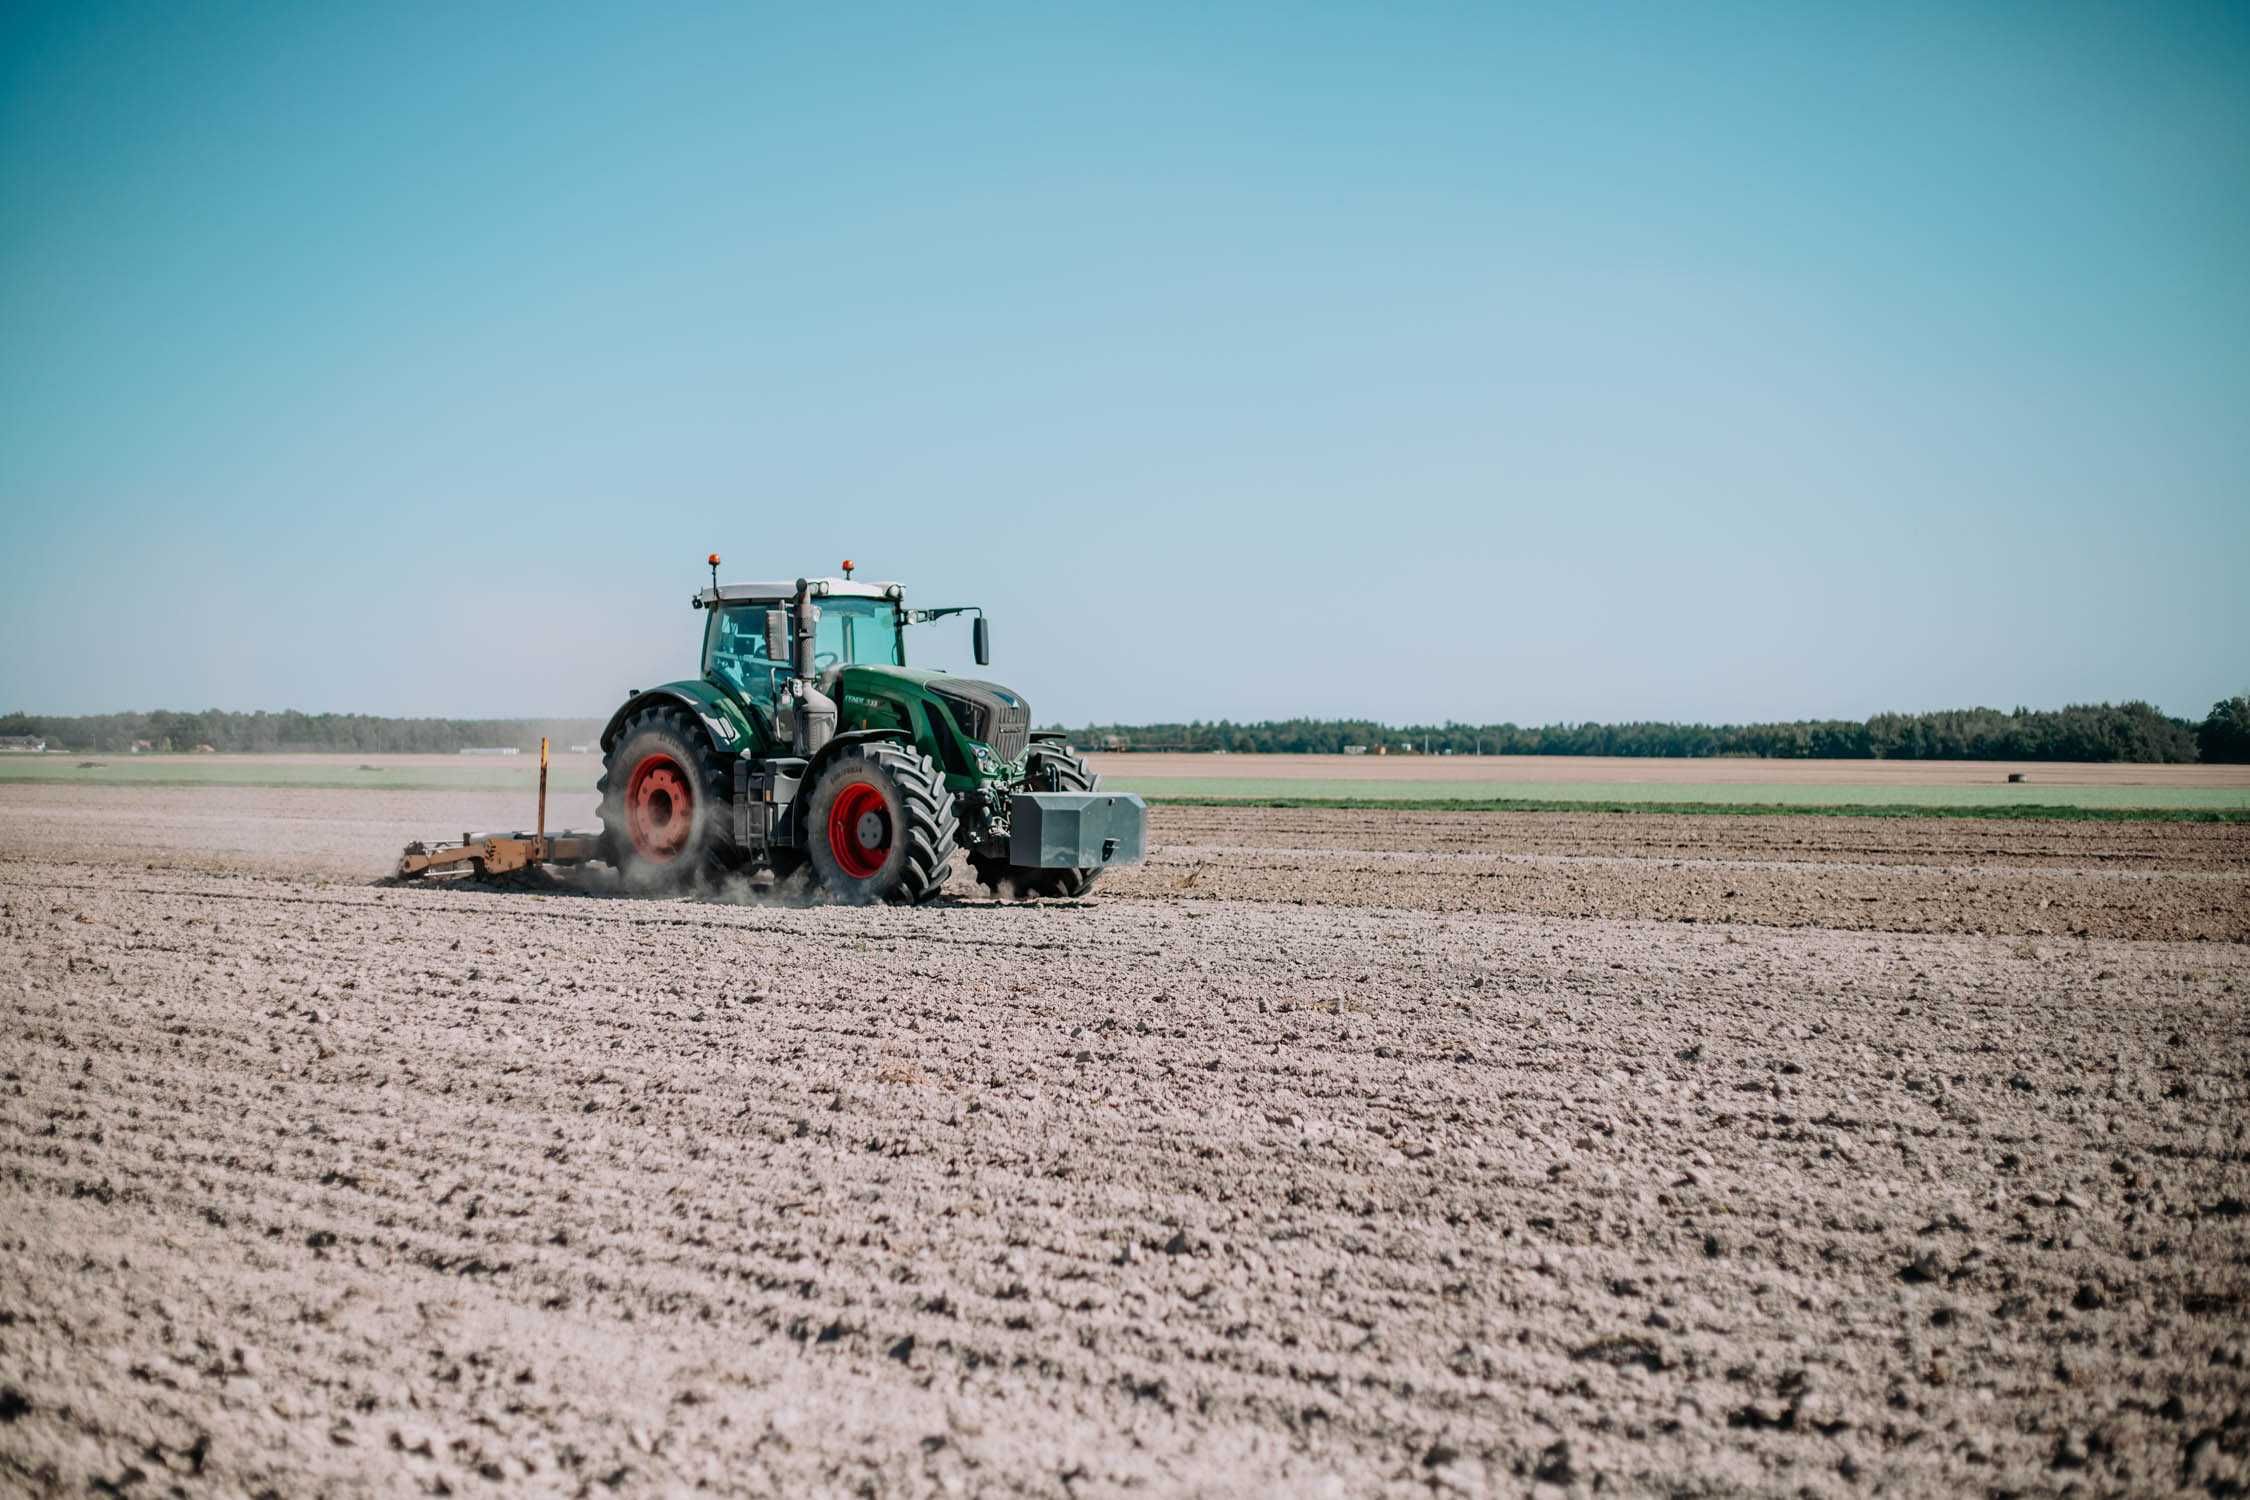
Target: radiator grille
column 990, row 713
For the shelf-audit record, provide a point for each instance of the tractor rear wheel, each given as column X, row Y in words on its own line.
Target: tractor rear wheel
column 667, row 804
column 1050, row 768
column 880, row 826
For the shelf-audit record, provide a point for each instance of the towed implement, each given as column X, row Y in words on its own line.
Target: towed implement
column 504, row 853
column 808, row 747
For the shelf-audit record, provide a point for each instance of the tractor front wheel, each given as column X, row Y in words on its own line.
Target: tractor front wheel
column 880, row 826
column 667, row 822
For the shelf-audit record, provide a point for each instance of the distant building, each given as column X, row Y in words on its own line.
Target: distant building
column 582, row 749
column 492, row 750
column 22, row 744
column 1355, row 749
column 143, row 747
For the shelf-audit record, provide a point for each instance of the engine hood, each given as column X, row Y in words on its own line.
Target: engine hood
column 985, row 711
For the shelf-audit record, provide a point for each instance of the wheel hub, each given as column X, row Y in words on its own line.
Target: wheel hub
column 659, row 808
column 859, row 830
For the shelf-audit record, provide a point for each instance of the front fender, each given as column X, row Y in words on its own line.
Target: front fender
column 836, row 746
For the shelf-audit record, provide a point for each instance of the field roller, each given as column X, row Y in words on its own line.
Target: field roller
column 808, row 746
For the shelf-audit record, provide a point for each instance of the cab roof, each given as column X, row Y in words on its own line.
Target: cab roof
column 774, row 591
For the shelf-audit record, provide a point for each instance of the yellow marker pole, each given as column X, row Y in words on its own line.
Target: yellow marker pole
column 539, row 849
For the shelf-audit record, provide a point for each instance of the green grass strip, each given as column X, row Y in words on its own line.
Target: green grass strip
column 2013, row 812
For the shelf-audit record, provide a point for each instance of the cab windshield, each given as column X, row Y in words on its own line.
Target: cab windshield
column 860, row 632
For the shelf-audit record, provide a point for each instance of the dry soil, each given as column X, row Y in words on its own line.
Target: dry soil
column 1330, row 1153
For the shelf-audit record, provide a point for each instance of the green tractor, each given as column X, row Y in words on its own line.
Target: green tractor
column 809, row 746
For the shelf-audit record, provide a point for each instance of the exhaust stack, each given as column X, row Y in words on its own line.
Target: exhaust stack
column 812, row 713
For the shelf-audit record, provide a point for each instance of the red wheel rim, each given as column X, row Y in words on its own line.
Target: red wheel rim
column 859, row 830
column 659, row 807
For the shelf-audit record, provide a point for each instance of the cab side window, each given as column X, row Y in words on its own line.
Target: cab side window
column 737, row 653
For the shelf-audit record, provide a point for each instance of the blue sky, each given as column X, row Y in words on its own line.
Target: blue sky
column 1420, row 362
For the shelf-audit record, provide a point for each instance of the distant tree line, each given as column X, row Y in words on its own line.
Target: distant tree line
column 2091, row 732
column 164, row 729
column 2224, row 737
column 2083, row 732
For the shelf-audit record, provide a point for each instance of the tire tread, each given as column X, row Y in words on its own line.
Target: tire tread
column 719, row 854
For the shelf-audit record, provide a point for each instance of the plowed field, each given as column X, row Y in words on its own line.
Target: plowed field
column 1329, row 1153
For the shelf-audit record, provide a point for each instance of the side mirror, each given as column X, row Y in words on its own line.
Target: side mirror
column 777, row 635
column 981, row 633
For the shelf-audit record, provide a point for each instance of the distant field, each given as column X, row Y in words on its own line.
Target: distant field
column 1529, row 783
column 467, row 773
column 1451, row 771
column 1523, row 783
column 1530, row 796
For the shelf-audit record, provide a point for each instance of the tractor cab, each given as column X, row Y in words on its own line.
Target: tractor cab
column 759, row 636
column 855, row 624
